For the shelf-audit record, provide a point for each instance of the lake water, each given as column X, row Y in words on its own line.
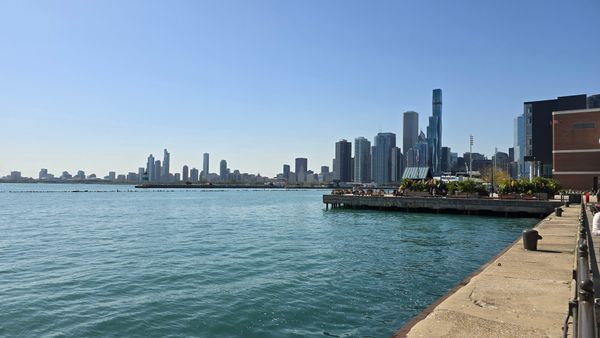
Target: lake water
column 224, row 263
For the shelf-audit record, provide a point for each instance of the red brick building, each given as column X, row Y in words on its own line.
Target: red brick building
column 576, row 148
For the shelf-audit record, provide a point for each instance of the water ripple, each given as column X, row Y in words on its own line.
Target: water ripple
column 224, row 263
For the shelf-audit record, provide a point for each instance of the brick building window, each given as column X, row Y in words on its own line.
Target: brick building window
column 584, row 125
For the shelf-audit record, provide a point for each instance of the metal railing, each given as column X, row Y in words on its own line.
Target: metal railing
column 582, row 308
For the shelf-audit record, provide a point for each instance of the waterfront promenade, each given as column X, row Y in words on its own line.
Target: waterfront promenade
column 518, row 293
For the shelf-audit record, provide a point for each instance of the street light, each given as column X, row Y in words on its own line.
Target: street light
column 494, row 168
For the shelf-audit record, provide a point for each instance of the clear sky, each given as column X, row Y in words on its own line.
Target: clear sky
column 99, row 85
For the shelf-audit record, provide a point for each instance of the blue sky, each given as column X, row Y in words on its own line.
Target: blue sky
column 99, row 85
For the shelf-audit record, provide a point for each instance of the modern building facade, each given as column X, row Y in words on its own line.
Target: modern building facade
column 194, row 175
column 157, row 170
column 343, row 161
column 382, row 157
column 205, row 167
column 301, row 169
column 576, row 148
column 223, row 171
column 519, row 147
column 593, row 101
column 185, row 173
column 445, row 165
column 410, row 134
column 150, row 169
column 286, row 172
column 141, row 175
column 362, row 160
column 43, row 174
column 538, row 129
column 421, row 151
column 166, row 166
column 397, row 165
column 434, row 133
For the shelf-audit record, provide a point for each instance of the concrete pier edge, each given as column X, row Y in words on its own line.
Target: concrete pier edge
column 505, row 301
column 403, row 331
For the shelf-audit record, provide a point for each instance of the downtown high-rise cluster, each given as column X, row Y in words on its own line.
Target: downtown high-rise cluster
column 159, row 172
column 383, row 161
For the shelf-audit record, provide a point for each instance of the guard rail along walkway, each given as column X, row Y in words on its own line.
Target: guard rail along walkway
column 583, row 308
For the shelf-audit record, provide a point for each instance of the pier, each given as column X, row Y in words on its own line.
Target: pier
column 550, row 291
column 438, row 204
column 518, row 293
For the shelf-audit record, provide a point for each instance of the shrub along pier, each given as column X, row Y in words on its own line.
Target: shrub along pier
column 438, row 204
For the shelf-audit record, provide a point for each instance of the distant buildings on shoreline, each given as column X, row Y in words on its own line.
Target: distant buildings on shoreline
column 541, row 147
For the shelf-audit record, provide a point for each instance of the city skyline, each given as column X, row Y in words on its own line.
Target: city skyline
column 95, row 85
column 384, row 160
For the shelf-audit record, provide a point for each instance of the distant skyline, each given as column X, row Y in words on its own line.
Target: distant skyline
column 101, row 85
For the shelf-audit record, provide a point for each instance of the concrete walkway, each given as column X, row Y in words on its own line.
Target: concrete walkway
column 518, row 294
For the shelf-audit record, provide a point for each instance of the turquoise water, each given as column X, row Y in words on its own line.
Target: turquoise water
column 229, row 263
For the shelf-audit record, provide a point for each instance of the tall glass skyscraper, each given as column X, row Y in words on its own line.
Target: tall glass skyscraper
column 185, row 173
column 410, row 133
column 434, row 133
column 362, row 160
column 397, row 165
column 223, row 172
column 286, row 172
column 166, row 164
column 382, row 157
column 519, row 146
column 150, row 168
column 421, row 151
column 205, row 166
column 343, row 160
column 301, row 169
column 157, row 170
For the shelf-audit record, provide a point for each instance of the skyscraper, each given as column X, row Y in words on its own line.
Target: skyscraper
column 362, row 160
column 445, row 159
column 410, row 133
column 382, row 157
column 538, row 128
column 185, row 173
column 519, row 146
column 301, row 168
column 43, row 174
column 434, row 133
column 421, row 149
column 194, row 175
column 286, row 172
column 150, row 169
column 410, row 157
column 397, row 165
column 157, row 170
column 205, row 166
column 223, row 173
column 165, row 166
column 343, row 161
column 140, row 175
